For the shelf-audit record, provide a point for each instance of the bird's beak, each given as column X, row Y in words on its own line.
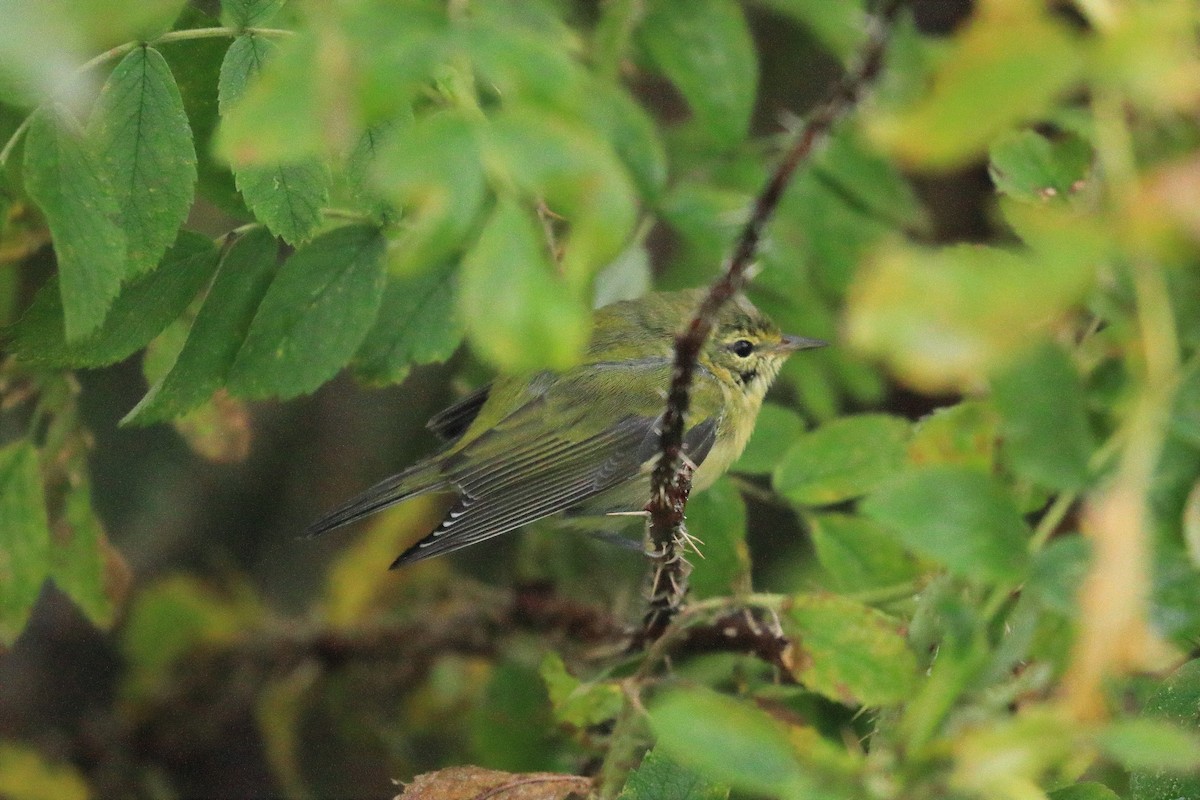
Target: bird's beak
column 791, row 344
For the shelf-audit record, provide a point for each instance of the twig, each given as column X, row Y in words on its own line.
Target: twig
column 671, row 478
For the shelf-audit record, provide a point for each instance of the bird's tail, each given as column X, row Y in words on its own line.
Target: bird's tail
column 416, row 480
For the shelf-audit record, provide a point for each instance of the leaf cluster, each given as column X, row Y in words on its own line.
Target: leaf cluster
column 994, row 474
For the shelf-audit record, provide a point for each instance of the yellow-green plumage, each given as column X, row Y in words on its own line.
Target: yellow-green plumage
column 581, row 442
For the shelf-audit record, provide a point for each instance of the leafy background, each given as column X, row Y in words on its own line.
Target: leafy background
column 976, row 518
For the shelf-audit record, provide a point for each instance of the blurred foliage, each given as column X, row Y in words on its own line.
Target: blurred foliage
column 995, row 474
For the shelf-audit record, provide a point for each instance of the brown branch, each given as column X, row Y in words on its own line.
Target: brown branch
column 671, row 478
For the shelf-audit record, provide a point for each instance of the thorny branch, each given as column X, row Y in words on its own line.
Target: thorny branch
column 672, row 476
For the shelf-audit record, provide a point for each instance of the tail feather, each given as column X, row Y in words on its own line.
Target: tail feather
column 417, row 480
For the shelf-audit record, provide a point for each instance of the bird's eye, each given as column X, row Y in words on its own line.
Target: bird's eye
column 742, row 348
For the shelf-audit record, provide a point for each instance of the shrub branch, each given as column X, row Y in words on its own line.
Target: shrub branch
column 671, row 478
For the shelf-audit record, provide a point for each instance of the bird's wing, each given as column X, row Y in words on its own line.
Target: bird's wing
column 525, row 469
column 452, row 422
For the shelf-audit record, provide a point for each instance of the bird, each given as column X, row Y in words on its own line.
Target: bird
column 581, row 443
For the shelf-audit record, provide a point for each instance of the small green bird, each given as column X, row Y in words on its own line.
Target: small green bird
column 582, row 442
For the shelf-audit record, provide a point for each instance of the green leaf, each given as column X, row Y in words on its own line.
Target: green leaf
column 662, row 778
column 849, row 652
column 704, row 47
column 964, row 434
column 287, row 198
column 64, row 177
column 317, row 312
column 576, row 174
column 1028, row 166
column 839, row 26
column 774, row 432
column 508, row 724
column 576, row 703
column 276, row 117
column 168, row 620
column 1176, row 701
column 1185, row 417
column 24, row 537
column 197, row 70
column 842, row 460
column 140, row 312
column 1006, row 66
column 417, row 323
column 217, row 334
column 145, row 146
column 631, row 133
column 430, row 170
column 717, row 516
column 1044, row 427
column 1086, row 791
column 945, row 318
column 727, row 741
column 1058, row 572
column 248, row 13
column 955, row 516
column 25, row 774
column 519, row 315
column 858, row 553
column 80, row 560
column 1151, row 745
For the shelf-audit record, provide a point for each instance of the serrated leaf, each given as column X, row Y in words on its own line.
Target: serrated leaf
column 145, row 146
column 704, row 47
column 774, row 432
column 1043, row 419
column 662, row 778
column 964, row 434
column 64, row 177
column 955, row 516
column 1177, row 700
column 417, row 323
column 728, row 741
column 842, row 460
column 277, row 117
column 1033, row 168
column 83, row 564
column 858, row 553
column 849, row 652
column 579, row 704
column 24, row 537
column 248, row 13
column 140, row 312
column 217, row 334
column 717, row 516
column 314, row 316
column 519, row 315
column 287, row 198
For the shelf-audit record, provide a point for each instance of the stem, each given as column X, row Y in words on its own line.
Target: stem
column 671, row 477
column 128, row 47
